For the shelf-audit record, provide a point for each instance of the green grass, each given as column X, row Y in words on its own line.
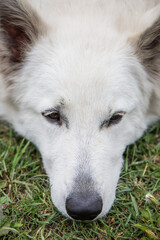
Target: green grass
column 27, row 212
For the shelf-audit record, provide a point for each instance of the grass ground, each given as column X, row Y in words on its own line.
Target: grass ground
column 26, row 210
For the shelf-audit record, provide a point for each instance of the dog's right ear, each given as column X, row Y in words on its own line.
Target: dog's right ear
column 20, row 27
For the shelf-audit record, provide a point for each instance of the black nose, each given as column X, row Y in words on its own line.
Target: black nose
column 84, row 206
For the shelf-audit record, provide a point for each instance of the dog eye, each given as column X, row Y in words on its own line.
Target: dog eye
column 115, row 119
column 52, row 116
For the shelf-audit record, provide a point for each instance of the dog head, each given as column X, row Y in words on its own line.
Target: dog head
column 80, row 94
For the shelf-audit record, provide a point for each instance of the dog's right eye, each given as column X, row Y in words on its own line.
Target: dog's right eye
column 52, row 116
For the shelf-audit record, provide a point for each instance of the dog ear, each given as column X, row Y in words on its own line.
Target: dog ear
column 148, row 48
column 20, row 26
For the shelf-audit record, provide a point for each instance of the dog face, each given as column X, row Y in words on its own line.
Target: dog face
column 80, row 100
column 81, row 127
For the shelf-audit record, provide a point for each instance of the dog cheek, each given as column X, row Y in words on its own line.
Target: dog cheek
column 58, row 196
column 110, row 185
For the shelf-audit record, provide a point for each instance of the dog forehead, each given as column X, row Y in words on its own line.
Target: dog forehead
column 92, row 94
column 79, row 73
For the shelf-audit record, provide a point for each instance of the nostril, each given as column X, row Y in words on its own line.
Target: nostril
column 82, row 206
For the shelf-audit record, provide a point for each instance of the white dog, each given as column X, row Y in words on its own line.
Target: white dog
column 81, row 80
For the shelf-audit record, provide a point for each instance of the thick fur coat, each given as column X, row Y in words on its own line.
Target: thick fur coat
column 81, row 80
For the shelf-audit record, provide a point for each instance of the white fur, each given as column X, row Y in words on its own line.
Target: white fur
column 87, row 60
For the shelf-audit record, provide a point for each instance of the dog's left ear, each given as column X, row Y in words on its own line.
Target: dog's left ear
column 148, row 47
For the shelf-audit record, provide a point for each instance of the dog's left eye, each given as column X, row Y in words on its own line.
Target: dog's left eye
column 116, row 118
